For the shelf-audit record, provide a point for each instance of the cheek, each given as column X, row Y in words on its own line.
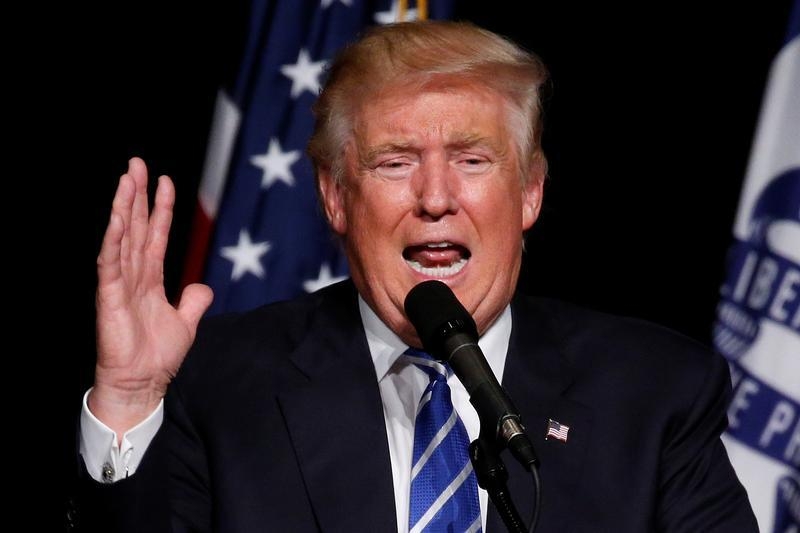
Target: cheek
column 379, row 205
column 367, row 221
column 500, row 209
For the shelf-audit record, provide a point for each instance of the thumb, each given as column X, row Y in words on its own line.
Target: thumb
column 194, row 301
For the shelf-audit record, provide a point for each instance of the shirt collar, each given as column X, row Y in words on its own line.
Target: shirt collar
column 385, row 346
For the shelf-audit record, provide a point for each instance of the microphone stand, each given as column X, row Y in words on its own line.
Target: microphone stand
column 492, row 476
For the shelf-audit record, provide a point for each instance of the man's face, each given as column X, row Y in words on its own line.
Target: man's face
column 433, row 192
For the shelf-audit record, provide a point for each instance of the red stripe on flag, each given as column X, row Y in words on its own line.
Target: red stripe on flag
column 197, row 251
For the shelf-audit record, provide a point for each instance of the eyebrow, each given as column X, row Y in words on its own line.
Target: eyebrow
column 460, row 141
column 387, row 148
column 468, row 140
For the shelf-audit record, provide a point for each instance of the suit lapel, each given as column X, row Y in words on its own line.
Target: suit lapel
column 335, row 421
column 537, row 377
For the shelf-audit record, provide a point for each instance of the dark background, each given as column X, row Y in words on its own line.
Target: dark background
column 648, row 133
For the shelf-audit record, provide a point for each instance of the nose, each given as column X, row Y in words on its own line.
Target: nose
column 437, row 189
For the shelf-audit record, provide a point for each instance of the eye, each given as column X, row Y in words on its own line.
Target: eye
column 473, row 164
column 395, row 168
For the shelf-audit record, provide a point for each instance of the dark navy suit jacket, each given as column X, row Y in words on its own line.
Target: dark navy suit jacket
column 275, row 423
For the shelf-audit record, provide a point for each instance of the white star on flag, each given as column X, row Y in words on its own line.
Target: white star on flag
column 275, row 164
column 388, row 17
column 246, row 256
column 304, row 74
column 326, row 3
column 324, row 279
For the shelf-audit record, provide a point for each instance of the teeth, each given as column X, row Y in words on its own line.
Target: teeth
column 438, row 271
column 439, row 244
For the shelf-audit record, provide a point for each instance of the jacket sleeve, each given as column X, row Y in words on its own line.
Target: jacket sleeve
column 137, row 503
column 699, row 489
column 169, row 493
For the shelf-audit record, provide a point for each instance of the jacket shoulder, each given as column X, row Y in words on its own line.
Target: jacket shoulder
column 268, row 334
column 612, row 350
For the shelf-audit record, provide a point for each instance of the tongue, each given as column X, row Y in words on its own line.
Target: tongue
column 432, row 257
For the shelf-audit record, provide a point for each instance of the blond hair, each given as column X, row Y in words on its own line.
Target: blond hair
column 419, row 53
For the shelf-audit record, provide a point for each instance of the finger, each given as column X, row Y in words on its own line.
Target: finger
column 108, row 262
column 140, row 211
column 158, row 230
column 194, row 301
column 122, row 206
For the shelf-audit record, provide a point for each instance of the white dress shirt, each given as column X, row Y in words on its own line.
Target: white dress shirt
column 401, row 386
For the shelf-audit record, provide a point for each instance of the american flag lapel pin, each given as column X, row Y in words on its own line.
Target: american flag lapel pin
column 557, row 430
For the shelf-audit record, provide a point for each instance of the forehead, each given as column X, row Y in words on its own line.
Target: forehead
column 445, row 112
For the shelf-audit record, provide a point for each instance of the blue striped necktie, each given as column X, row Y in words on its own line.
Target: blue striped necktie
column 444, row 490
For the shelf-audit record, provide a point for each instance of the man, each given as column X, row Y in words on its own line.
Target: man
column 299, row 416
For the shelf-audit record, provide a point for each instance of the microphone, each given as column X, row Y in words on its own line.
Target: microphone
column 448, row 332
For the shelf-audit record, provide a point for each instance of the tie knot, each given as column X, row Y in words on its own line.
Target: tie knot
column 436, row 370
column 414, row 352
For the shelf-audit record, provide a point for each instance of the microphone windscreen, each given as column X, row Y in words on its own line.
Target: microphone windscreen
column 435, row 312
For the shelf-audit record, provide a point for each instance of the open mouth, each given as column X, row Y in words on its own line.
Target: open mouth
column 437, row 259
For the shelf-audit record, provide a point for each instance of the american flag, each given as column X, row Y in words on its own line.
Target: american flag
column 258, row 233
column 556, row 430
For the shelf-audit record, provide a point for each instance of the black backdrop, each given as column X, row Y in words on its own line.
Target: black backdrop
column 648, row 133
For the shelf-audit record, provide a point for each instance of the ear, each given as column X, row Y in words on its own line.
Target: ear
column 532, row 193
column 332, row 195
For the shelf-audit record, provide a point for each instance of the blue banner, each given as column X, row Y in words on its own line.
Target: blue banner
column 758, row 317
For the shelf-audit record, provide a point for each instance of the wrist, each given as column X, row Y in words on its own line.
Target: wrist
column 122, row 408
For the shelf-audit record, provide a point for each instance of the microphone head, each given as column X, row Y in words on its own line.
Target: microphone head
column 436, row 313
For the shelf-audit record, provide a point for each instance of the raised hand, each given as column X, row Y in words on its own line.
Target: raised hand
column 141, row 338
